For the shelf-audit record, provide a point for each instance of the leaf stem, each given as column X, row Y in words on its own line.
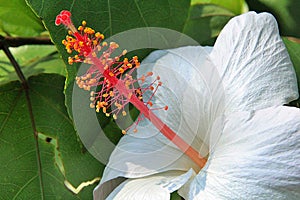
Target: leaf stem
column 19, row 41
column 5, row 47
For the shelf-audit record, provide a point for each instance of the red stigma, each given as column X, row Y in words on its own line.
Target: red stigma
column 63, row 18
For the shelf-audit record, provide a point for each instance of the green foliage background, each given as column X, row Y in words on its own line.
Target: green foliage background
column 39, row 148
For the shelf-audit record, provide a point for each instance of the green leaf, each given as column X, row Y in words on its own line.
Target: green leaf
column 205, row 22
column 16, row 18
column 175, row 196
column 293, row 47
column 33, row 59
column 235, row 6
column 286, row 12
column 61, row 155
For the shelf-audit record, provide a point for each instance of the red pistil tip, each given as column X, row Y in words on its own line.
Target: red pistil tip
column 63, row 18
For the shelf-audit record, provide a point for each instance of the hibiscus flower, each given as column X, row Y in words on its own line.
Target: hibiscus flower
column 227, row 102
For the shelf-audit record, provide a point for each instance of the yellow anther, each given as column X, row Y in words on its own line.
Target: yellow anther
column 98, row 35
column 95, row 42
column 119, row 106
column 92, row 105
column 105, row 95
column 149, row 73
column 123, row 132
column 129, row 65
column 111, row 74
column 104, row 109
column 114, row 116
column 111, row 93
column 83, row 23
column 121, row 70
column 89, row 31
column 137, row 65
column 114, row 45
column 94, row 54
column 92, row 93
column 107, row 114
column 104, row 44
column 70, row 60
column 80, row 28
column 124, row 113
column 124, row 52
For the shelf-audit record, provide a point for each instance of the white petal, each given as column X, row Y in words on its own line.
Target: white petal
column 145, row 153
column 257, row 156
column 154, row 187
column 254, row 64
column 189, row 97
column 192, row 89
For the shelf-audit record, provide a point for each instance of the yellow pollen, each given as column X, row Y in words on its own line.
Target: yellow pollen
column 83, row 23
column 105, row 95
column 107, row 114
column 111, row 93
column 98, row 35
column 92, row 105
column 114, row 45
column 114, row 116
column 129, row 65
column 124, row 52
column 111, row 74
column 124, row 132
column 121, row 70
column 124, row 113
column 95, row 42
column 104, row 109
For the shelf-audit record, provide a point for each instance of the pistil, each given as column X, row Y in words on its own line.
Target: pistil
column 118, row 87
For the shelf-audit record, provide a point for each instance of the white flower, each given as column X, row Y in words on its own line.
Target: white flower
column 231, row 112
